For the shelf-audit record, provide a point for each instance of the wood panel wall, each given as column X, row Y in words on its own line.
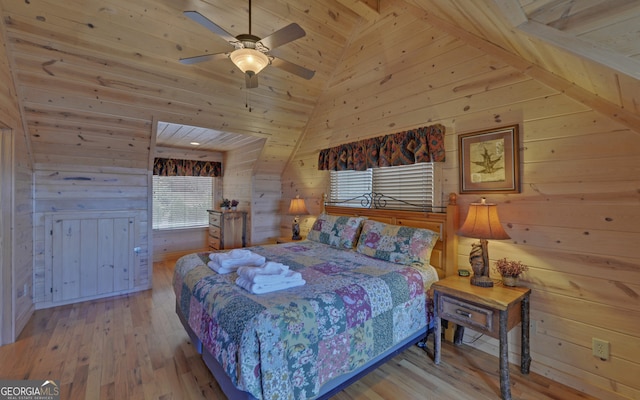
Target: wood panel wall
column 246, row 181
column 81, row 188
column 576, row 220
column 171, row 244
column 16, row 268
column 86, row 170
column 22, row 252
column 266, row 209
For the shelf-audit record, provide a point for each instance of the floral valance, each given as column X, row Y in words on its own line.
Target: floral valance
column 176, row 167
column 423, row 144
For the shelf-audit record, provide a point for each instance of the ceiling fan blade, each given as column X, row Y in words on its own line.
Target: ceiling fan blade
column 293, row 68
column 207, row 23
column 251, row 80
column 205, row 57
column 285, row 35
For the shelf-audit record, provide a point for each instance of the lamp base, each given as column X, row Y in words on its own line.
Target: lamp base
column 295, row 230
column 482, row 281
column 479, row 260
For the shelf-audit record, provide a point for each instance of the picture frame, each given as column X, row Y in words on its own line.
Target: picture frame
column 489, row 161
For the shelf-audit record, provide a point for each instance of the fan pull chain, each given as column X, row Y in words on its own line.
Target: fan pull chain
column 246, row 101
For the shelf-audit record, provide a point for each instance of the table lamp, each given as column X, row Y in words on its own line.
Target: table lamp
column 482, row 223
column 297, row 208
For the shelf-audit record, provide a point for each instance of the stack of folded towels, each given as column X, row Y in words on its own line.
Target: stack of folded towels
column 224, row 263
column 269, row 277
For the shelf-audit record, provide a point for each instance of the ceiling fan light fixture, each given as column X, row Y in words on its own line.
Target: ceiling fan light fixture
column 249, row 60
column 251, row 54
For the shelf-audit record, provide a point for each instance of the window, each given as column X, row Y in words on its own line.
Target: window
column 181, row 201
column 347, row 186
column 403, row 187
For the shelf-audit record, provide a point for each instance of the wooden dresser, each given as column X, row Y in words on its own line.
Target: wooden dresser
column 227, row 229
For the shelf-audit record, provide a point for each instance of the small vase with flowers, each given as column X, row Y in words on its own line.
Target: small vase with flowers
column 225, row 204
column 510, row 271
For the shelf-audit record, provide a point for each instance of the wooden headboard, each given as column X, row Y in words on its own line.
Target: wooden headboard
column 444, row 254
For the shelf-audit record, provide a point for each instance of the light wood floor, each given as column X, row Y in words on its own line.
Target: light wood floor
column 133, row 347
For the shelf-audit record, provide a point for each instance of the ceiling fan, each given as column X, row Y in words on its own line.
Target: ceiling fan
column 251, row 52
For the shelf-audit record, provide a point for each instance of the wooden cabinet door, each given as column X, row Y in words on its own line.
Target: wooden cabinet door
column 89, row 255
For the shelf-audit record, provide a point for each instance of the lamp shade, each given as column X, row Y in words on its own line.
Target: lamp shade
column 297, row 207
column 249, row 60
column 482, row 222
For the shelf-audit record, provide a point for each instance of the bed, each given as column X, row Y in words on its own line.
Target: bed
column 361, row 305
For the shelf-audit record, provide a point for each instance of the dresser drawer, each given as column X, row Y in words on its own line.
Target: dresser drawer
column 214, row 231
column 466, row 314
column 214, row 219
column 214, row 243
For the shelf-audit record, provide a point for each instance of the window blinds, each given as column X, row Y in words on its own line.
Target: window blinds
column 347, row 186
column 403, row 187
column 181, row 201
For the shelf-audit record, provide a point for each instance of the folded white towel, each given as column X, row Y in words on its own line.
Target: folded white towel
column 227, row 260
column 219, row 269
column 268, row 268
column 258, row 275
column 229, row 256
column 272, row 267
column 233, row 254
column 239, row 253
column 261, row 288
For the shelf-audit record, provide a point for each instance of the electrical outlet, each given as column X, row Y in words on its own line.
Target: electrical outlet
column 600, row 348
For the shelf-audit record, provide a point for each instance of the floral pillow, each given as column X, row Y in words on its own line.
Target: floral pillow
column 336, row 231
column 398, row 244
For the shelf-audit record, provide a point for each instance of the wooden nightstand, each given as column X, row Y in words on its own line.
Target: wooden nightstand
column 492, row 311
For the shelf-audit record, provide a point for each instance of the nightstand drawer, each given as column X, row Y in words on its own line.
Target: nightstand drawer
column 467, row 314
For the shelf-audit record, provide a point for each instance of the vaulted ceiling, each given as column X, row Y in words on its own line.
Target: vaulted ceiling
column 94, row 77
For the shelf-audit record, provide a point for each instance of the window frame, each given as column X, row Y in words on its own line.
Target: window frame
column 387, row 190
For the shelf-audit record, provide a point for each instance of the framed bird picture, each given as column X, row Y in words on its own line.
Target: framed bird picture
column 489, row 161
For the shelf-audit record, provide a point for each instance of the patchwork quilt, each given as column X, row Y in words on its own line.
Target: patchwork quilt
column 287, row 344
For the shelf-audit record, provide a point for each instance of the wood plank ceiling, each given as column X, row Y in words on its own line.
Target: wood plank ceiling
column 179, row 136
column 93, row 76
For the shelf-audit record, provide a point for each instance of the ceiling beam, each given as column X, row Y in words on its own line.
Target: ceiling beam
column 613, row 111
column 363, row 9
column 581, row 48
column 574, row 48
